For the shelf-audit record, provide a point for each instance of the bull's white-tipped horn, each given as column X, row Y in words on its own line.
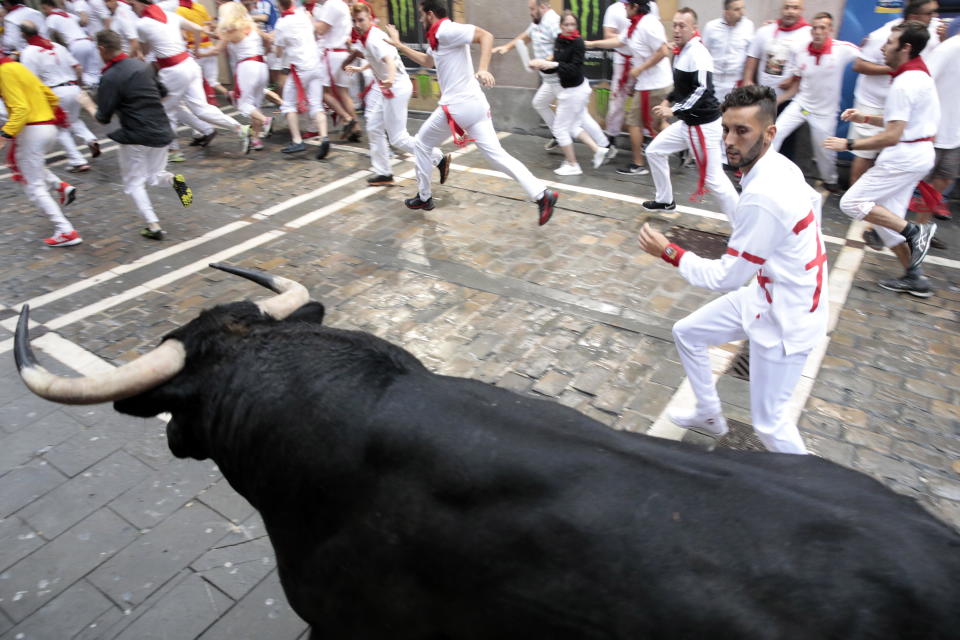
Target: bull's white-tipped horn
column 149, row 370
column 292, row 294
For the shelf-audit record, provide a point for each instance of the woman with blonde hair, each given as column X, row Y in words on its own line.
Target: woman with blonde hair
column 247, row 46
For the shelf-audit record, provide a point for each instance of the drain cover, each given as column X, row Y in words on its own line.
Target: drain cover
column 703, row 243
column 740, row 367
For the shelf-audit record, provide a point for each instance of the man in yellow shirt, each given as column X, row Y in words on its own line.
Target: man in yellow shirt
column 196, row 13
column 29, row 132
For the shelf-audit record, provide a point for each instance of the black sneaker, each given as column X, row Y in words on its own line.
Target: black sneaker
column 323, row 150
column 551, row 145
column 195, row 142
column 915, row 285
column 417, row 203
column 633, row 170
column 444, row 167
column 354, row 137
column 920, row 244
column 348, row 129
column 183, row 191
column 872, row 239
column 380, row 181
column 653, row 205
column 545, row 205
column 833, row 188
column 94, row 147
column 294, row 147
column 150, row 234
column 203, row 141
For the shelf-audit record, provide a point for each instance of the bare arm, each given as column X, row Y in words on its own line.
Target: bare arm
column 750, row 71
column 607, row 43
column 485, row 39
column 504, row 48
column 891, row 134
column 790, row 88
column 320, row 26
column 657, row 56
column 421, row 58
column 869, row 68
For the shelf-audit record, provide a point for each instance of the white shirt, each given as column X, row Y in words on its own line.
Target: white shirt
column 455, row 65
column 336, row 14
column 946, row 75
column 912, row 99
column 776, row 235
column 871, row 91
column 12, row 39
column 772, row 47
column 125, row 23
column 250, row 46
column 296, row 35
column 728, row 46
column 543, row 36
column 376, row 49
column 162, row 39
column 615, row 17
column 96, row 10
column 645, row 41
column 53, row 66
column 821, row 79
column 67, row 26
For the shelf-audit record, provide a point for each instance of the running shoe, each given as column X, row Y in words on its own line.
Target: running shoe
column 203, row 141
column 246, row 137
column 64, row 239
column 417, row 203
column 551, row 145
column 653, row 205
column 323, row 150
column 151, row 234
column 920, row 244
column 545, row 206
column 79, row 168
column 68, row 193
column 569, row 169
column 872, row 239
column 708, row 425
column 633, row 170
column 912, row 283
column 294, row 147
column 183, row 191
column 94, row 147
column 256, row 145
column 380, row 181
column 267, row 126
column 176, row 156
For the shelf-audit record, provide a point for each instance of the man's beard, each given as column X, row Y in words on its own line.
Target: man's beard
column 750, row 157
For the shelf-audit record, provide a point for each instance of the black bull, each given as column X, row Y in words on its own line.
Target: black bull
column 405, row 504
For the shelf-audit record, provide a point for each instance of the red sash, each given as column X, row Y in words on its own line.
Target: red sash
column 236, row 74
column 302, row 104
column 459, row 136
column 701, row 159
column 172, row 61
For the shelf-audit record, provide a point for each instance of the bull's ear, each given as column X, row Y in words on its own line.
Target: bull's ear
column 310, row 312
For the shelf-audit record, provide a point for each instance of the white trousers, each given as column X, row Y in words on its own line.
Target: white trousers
column 85, row 51
column 33, row 142
column 889, row 187
column 677, row 137
column 474, row 118
column 251, row 80
column 141, row 166
column 185, row 86
column 387, row 125
column 543, row 98
column 821, row 128
column 773, row 374
column 617, row 101
column 572, row 117
column 68, row 96
column 312, row 81
column 210, row 70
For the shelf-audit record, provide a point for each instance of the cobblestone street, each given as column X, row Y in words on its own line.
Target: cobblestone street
column 104, row 534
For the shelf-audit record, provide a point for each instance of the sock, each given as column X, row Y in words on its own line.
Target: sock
column 910, row 230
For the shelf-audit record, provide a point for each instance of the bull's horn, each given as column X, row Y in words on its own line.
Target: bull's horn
column 292, row 295
column 147, row 371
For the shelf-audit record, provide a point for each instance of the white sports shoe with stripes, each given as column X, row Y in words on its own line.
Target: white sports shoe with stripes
column 709, row 425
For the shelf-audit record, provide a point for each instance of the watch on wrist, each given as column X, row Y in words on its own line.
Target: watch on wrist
column 849, row 144
column 6, row 135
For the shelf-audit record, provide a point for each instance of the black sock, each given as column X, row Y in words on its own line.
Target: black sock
column 910, row 230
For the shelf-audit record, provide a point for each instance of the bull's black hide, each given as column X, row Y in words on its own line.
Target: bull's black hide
column 404, row 504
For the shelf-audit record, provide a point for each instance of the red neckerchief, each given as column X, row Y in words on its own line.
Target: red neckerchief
column 634, row 21
column 799, row 24
column 11, row 10
column 362, row 37
column 827, row 46
column 186, row 4
column 5, row 59
column 308, row 7
column 913, row 64
column 113, row 61
column 59, row 13
column 155, row 12
column 572, row 36
column 288, row 12
column 40, row 41
column 677, row 50
column 432, row 33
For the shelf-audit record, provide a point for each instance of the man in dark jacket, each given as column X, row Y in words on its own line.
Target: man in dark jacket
column 698, row 128
column 130, row 88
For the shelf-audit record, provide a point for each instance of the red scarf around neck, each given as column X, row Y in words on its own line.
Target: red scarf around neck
column 4, row 59
column 362, row 37
column 799, row 24
column 824, row 50
column 40, row 41
column 288, row 12
column 308, row 7
column 155, row 12
column 114, row 61
column 634, row 21
column 572, row 36
column 14, row 8
column 913, row 64
column 59, row 13
column 186, row 4
column 432, row 33
column 677, row 50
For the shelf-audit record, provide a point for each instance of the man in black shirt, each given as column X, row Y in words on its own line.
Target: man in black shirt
column 130, row 88
column 698, row 127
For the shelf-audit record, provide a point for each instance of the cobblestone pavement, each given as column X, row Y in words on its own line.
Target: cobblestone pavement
column 106, row 535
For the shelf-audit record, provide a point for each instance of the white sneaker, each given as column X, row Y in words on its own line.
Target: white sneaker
column 611, row 152
column 599, row 157
column 709, row 425
column 567, row 169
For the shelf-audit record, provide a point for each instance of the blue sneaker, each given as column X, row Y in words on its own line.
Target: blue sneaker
column 294, row 147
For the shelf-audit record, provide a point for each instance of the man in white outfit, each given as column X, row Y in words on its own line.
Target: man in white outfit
column 910, row 120
column 768, row 58
column 816, row 80
column 159, row 32
column 387, row 100
column 698, row 127
column 541, row 33
column 59, row 70
column 17, row 13
column 333, row 25
column 783, row 312
column 124, row 21
column 463, row 109
column 727, row 39
column 69, row 31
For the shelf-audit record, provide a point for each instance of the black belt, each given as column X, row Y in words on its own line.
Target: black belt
column 72, row 83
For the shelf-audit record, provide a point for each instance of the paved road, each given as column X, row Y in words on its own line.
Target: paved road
column 105, row 535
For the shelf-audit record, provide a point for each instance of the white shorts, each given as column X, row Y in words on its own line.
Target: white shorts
column 332, row 62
